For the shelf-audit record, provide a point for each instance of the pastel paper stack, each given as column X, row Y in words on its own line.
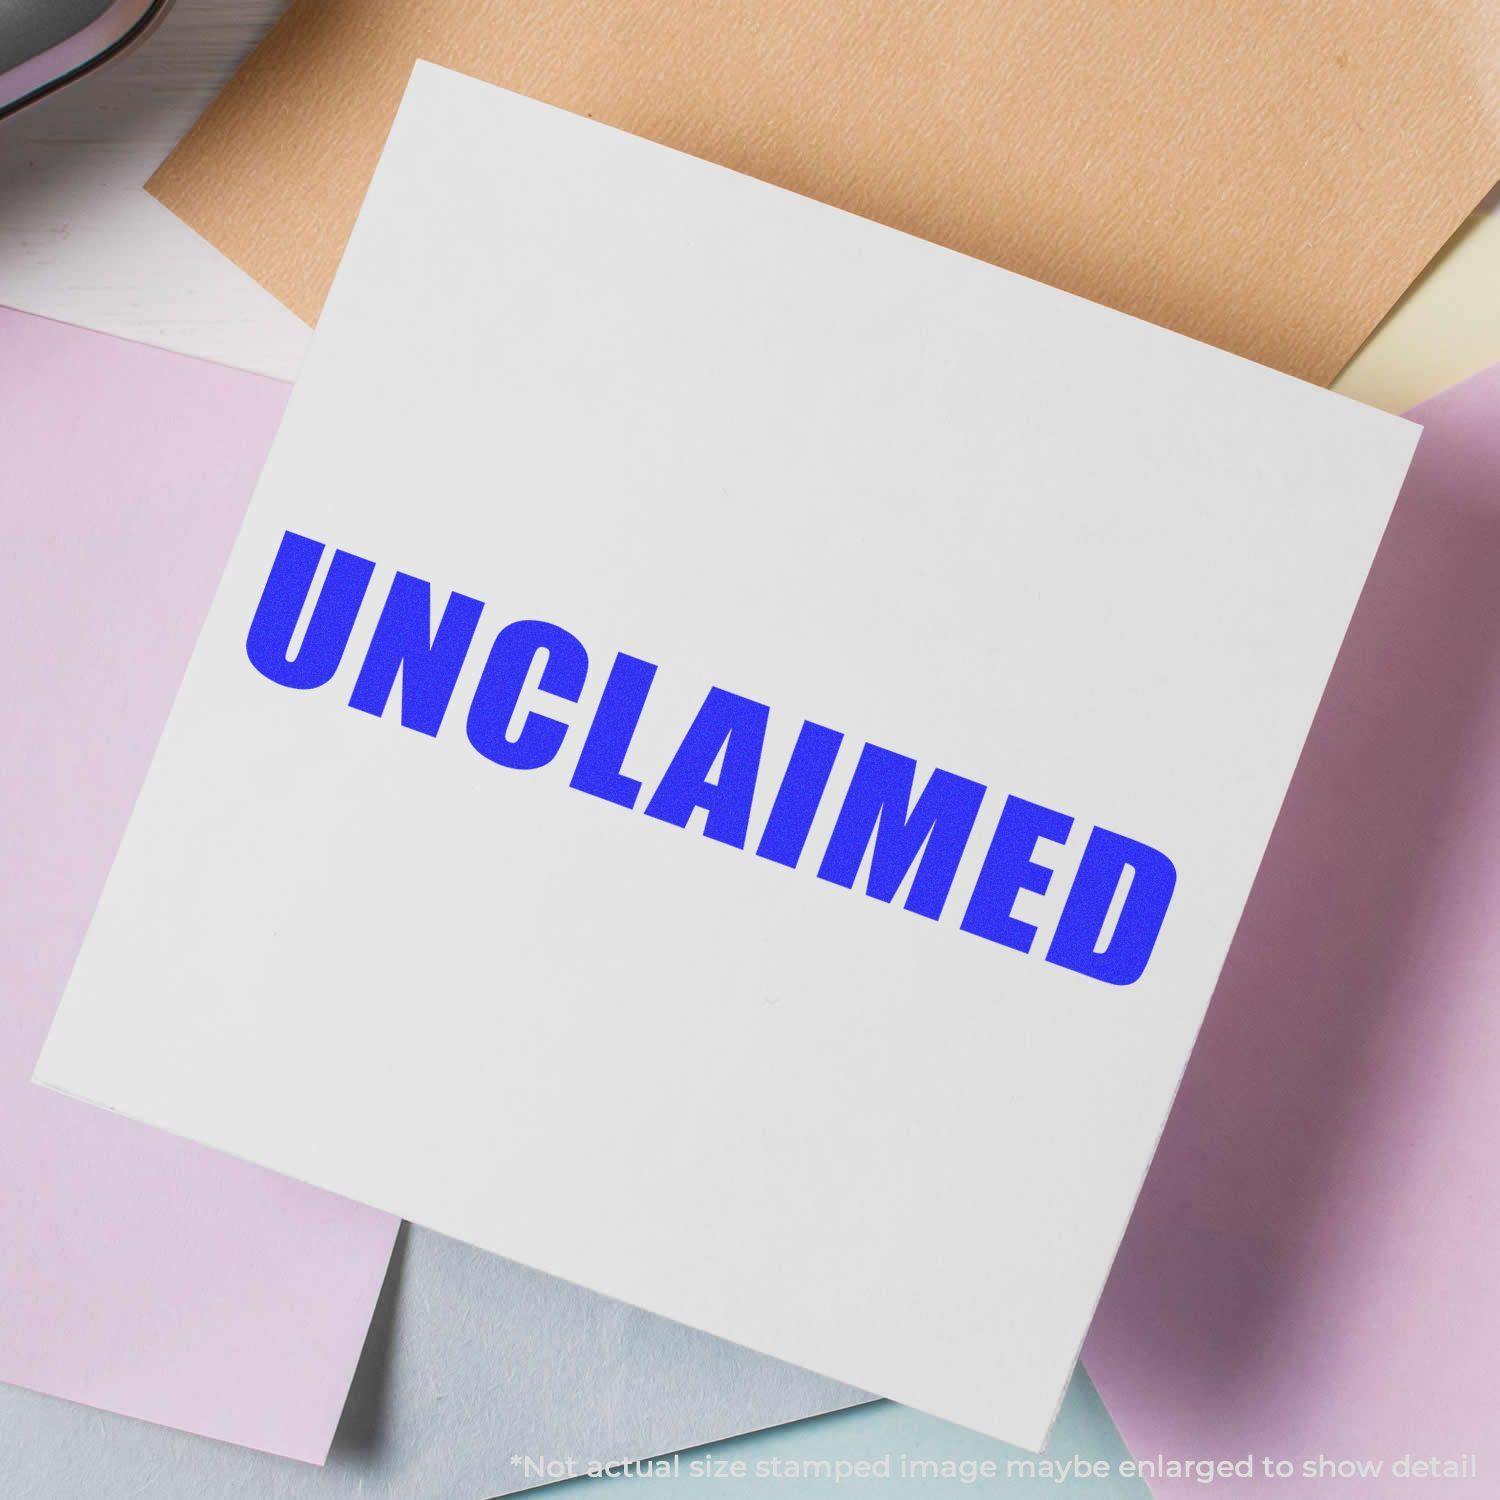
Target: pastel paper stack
column 554, row 375
column 150, row 1277
column 1258, row 1304
column 1265, row 177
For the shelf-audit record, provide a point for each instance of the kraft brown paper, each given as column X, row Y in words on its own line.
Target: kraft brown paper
column 1265, row 175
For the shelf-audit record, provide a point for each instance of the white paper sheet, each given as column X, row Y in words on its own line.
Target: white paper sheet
column 1063, row 571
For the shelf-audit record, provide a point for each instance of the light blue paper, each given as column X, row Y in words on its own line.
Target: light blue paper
column 469, row 1358
column 473, row 1359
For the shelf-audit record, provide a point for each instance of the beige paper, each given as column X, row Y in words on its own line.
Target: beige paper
column 1445, row 329
column 1266, row 175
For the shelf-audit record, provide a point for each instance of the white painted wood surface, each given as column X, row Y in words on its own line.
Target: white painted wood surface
column 79, row 238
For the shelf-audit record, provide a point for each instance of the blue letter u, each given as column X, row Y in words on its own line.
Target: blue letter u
column 281, row 605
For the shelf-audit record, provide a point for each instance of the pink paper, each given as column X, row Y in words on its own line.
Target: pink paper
column 1312, row 1269
column 138, row 1273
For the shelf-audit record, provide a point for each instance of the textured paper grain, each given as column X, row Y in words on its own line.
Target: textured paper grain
column 1265, row 175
